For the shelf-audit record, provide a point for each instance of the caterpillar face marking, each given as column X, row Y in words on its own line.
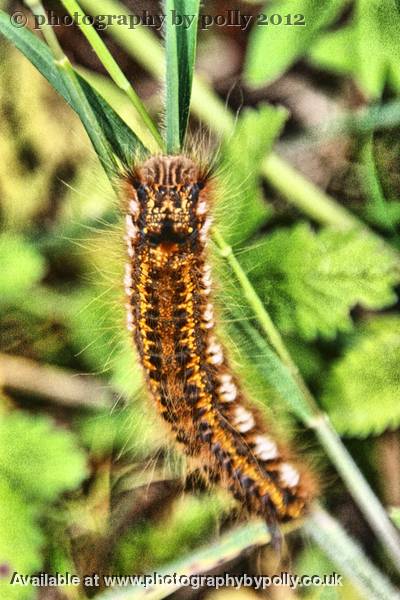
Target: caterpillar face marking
column 166, row 209
column 171, row 316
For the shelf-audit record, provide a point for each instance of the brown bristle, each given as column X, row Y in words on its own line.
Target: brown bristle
column 171, row 315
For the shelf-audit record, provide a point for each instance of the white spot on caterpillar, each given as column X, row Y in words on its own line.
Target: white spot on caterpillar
column 205, row 229
column 215, row 352
column 201, row 208
column 129, row 317
column 129, row 321
column 228, row 391
column 206, row 279
column 244, row 420
column 216, row 359
column 128, row 281
column 213, row 346
column 208, row 316
column 134, row 208
column 265, row 448
column 288, row 475
column 131, row 251
column 131, row 229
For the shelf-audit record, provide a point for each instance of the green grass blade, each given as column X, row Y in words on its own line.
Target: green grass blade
column 121, row 104
column 35, row 50
column 123, row 141
column 349, row 557
column 186, row 45
column 114, row 132
column 181, row 33
column 172, row 120
column 87, row 116
column 111, row 66
column 57, row 69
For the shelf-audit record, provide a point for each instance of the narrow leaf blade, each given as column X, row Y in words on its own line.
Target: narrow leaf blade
column 181, row 32
column 186, row 46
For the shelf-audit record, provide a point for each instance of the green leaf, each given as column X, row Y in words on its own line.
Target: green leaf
column 118, row 135
column 39, row 460
column 181, row 34
column 378, row 49
column 273, row 49
column 20, row 540
column 311, row 281
column 172, row 85
column 334, row 50
column 362, row 389
column 242, row 156
column 123, row 141
column 369, row 47
column 22, row 266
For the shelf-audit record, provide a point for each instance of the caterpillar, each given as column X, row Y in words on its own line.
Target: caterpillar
column 168, row 202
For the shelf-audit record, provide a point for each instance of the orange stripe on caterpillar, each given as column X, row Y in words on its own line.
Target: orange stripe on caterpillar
column 168, row 284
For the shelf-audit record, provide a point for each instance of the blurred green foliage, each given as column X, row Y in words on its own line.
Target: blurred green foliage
column 245, row 210
column 365, row 48
column 34, row 471
column 190, row 521
column 311, row 281
column 283, row 45
column 361, row 390
column 22, row 266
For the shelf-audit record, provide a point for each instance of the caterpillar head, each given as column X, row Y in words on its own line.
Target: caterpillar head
column 167, row 203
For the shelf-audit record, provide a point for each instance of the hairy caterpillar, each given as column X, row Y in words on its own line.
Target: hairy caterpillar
column 170, row 314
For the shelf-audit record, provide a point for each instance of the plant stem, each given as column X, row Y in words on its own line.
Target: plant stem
column 305, row 195
column 36, row 7
column 319, row 422
column 112, row 67
column 344, row 552
column 264, row 319
column 357, row 486
column 172, row 91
